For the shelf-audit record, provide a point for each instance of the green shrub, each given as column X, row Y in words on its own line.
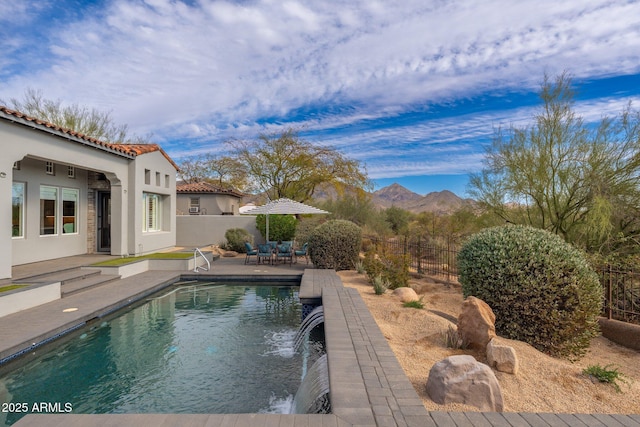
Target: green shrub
column 380, row 286
column 236, row 237
column 607, row 374
column 396, row 270
column 414, row 304
column 373, row 266
column 335, row 244
column 540, row 288
column 281, row 227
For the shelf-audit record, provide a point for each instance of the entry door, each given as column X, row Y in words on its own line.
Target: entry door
column 104, row 222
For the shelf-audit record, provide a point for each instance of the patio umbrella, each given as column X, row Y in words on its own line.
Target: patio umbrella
column 283, row 206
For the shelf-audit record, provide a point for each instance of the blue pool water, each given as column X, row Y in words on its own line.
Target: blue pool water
column 205, row 348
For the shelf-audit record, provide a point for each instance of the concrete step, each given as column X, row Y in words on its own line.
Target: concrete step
column 91, row 281
column 63, row 276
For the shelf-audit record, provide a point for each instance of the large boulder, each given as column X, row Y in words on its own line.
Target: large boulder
column 502, row 357
column 476, row 323
column 462, row 379
column 406, row 294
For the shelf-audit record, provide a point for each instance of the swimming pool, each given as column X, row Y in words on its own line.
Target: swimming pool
column 194, row 348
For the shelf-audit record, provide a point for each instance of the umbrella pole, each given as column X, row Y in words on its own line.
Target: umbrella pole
column 267, row 229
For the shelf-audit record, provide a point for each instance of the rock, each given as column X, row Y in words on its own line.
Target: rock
column 476, row 323
column 406, row 294
column 462, row 379
column 502, row 357
column 229, row 254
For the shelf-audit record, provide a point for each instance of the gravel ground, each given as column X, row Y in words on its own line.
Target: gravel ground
column 543, row 383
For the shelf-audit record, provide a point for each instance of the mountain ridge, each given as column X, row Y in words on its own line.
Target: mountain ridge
column 439, row 202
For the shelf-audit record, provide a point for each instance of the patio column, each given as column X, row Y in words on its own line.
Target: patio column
column 119, row 214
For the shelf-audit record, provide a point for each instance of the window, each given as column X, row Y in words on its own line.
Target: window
column 69, row 211
column 152, row 212
column 167, row 181
column 147, row 176
column 17, row 165
column 17, row 213
column 71, row 172
column 49, row 168
column 157, row 179
column 48, row 202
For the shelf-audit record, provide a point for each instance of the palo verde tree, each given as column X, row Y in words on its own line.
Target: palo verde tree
column 90, row 122
column 224, row 171
column 579, row 181
column 285, row 165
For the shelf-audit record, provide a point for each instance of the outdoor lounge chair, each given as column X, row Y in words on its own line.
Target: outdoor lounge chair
column 304, row 251
column 250, row 252
column 284, row 252
column 264, row 253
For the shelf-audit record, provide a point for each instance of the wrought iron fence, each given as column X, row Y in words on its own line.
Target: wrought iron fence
column 621, row 294
column 435, row 257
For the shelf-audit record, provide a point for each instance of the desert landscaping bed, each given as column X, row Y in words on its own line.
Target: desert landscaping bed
column 542, row 384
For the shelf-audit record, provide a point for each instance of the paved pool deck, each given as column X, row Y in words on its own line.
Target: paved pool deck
column 368, row 385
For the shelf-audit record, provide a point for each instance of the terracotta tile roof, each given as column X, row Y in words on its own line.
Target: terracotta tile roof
column 126, row 150
column 137, row 149
column 204, row 187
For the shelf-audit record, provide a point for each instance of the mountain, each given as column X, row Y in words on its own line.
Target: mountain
column 395, row 195
column 440, row 202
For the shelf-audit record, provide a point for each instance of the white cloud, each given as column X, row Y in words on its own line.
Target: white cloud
column 205, row 71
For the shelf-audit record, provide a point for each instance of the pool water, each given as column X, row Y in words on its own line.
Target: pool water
column 204, row 348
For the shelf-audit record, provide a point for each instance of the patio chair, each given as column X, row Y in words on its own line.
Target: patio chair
column 264, row 253
column 284, row 252
column 304, row 251
column 251, row 251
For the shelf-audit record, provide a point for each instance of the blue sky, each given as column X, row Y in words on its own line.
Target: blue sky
column 414, row 91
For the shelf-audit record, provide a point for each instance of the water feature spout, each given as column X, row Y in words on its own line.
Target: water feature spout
column 313, row 395
column 312, row 320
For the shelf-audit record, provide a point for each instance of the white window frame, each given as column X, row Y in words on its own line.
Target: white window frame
column 71, row 172
column 68, row 195
column 49, row 168
column 151, row 212
column 55, row 191
column 21, row 208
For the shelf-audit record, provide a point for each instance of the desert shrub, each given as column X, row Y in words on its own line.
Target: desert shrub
column 380, row 285
column 335, row 244
column 281, row 227
column 236, row 237
column 305, row 226
column 396, row 270
column 419, row 304
column 540, row 288
column 607, row 374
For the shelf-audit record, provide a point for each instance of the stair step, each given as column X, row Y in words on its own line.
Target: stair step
column 92, row 281
column 64, row 276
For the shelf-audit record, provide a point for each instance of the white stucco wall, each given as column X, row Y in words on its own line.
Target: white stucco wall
column 162, row 181
column 33, row 147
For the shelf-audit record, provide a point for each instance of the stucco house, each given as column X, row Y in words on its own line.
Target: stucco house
column 71, row 194
column 203, row 198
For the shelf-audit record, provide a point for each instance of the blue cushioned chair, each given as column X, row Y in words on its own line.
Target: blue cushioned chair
column 304, row 251
column 250, row 252
column 284, row 252
column 264, row 253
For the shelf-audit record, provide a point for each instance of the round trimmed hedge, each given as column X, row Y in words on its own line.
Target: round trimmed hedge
column 335, row 244
column 541, row 289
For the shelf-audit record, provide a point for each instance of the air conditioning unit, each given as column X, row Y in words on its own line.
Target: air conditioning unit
column 194, row 209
